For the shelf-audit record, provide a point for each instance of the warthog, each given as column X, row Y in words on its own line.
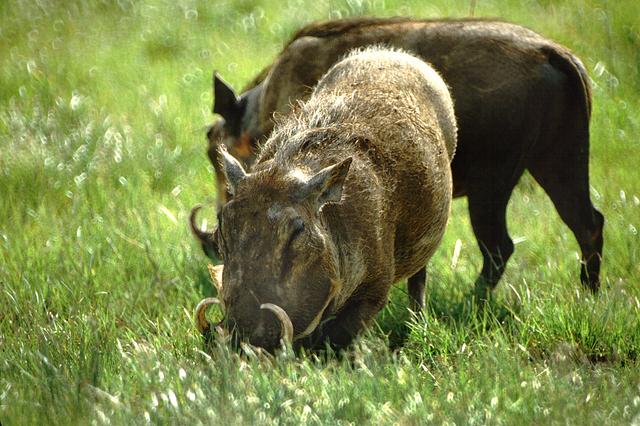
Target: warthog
column 522, row 102
column 350, row 194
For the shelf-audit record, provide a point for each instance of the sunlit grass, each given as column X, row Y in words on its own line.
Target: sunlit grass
column 102, row 154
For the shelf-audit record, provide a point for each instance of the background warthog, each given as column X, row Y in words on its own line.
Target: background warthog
column 522, row 102
column 350, row 194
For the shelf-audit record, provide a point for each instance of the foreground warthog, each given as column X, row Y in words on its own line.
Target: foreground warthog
column 521, row 101
column 350, row 194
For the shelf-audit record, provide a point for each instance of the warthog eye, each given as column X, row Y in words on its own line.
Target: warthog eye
column 297, row 228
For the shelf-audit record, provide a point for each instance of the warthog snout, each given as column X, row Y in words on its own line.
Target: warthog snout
column 270, row 326
column 265, row 325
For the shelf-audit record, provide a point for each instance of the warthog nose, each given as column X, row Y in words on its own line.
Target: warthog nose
column 265, row 331
column 258, row 327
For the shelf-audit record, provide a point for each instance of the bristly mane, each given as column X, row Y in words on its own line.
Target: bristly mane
column 301, row 131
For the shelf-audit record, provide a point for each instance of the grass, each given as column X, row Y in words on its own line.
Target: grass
column 102, row 154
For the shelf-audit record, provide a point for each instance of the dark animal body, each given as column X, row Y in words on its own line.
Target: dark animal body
column 326, row 221
column 522, row 103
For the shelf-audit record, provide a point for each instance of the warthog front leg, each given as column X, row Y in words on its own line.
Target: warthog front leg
column 488, row 219
column 341, row 330
column 563, row 172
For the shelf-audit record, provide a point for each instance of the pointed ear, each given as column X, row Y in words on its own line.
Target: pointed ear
column 232, row 169
column 326, row 185
column 226, row 102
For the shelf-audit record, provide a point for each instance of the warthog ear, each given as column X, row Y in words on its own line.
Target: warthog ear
column 226, row 102
column 232, row 169
column 326, row 185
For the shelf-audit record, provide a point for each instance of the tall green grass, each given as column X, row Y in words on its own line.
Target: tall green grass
column 102, row 154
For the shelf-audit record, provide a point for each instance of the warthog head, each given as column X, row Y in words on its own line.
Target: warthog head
column 280, row 264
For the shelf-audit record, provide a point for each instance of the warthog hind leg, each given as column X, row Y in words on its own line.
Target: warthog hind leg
column 568, row 188
column 415, row 287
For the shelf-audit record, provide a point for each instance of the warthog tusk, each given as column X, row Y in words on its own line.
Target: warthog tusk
column 215, row 271
column 201, row 320
column 286, row 328
column 200, row 234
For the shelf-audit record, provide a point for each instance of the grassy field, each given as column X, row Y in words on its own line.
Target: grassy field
column 102, row 154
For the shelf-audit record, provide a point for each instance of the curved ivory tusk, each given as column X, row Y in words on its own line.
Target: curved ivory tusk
column 215, row 271
column 201, row 321
column 200, row 234
column 286, row 328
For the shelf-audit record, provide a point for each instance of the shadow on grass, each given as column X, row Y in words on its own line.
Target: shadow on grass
column 448, row 307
